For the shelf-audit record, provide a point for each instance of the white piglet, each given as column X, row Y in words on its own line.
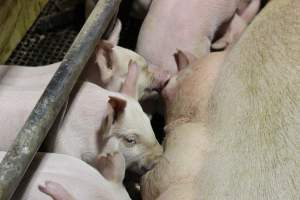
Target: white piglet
column 62, row 177
column 96, row 121
column 190, row 26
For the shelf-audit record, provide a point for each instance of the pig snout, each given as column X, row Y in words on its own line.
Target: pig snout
column 152, row 159
column 148, row 161
column 160, row 79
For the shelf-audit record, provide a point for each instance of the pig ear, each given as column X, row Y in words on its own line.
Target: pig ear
column 110, row 117
column 111, row 166
column 118, row 105
column 130, row 83
column 183, row 59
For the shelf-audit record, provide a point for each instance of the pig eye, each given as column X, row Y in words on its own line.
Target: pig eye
column 130, row 140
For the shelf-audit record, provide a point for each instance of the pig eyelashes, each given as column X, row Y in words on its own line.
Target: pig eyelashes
column 129, row 140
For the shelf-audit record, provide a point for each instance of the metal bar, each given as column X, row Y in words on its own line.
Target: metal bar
column 34, row 131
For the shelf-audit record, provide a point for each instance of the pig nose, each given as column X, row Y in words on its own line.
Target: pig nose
column 160, row 80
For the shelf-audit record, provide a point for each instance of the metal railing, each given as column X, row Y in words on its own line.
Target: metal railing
column 35, row 129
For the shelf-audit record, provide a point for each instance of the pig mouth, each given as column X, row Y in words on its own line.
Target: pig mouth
column 140, row 169
column 158, row 88
column 164, row 85
column 149, row 94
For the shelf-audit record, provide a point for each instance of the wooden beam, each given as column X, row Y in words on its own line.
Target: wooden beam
column 16, row 17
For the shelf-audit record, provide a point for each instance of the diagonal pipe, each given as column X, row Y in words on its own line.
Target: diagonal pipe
column 35, row 129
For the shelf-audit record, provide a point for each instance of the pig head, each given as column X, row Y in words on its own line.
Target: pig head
column 131, row 131
column 113, row 61
column 108, row 67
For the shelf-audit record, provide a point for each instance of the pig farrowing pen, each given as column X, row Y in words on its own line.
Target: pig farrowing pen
column 42, row 117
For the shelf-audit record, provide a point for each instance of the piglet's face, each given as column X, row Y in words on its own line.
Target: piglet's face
column 132, row 129
column 156, row 80
column 114, row 62
column 137, row 141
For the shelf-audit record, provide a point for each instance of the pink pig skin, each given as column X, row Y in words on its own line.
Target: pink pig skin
column 186, row 25
column 191, row 26
column 73, row 175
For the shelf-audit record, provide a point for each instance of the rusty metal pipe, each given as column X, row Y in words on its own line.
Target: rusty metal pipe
column 35, row 129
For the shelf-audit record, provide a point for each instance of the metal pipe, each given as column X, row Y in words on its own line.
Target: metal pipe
column 35, row 129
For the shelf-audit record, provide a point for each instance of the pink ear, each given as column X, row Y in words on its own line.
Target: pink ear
column 118, row 106
column 108, row 120
column 183, row 59
column 130, row 83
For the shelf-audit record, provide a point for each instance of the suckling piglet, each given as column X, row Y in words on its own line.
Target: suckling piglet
column 189, row 26
column 97, row 120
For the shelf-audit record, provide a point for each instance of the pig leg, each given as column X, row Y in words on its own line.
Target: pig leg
column 237, row 25
column 129, row 85
column 115, row 34
column 56, row 191
column 105, row 59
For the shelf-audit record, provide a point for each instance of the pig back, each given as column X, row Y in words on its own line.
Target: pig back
column 77, row 177
column 255, row 112
column 186, row 25
column 27, row 77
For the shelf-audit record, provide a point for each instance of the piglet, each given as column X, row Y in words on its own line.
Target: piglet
column 97, row 120
column 107, row 68
column 187, row 25
column 67, row 178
